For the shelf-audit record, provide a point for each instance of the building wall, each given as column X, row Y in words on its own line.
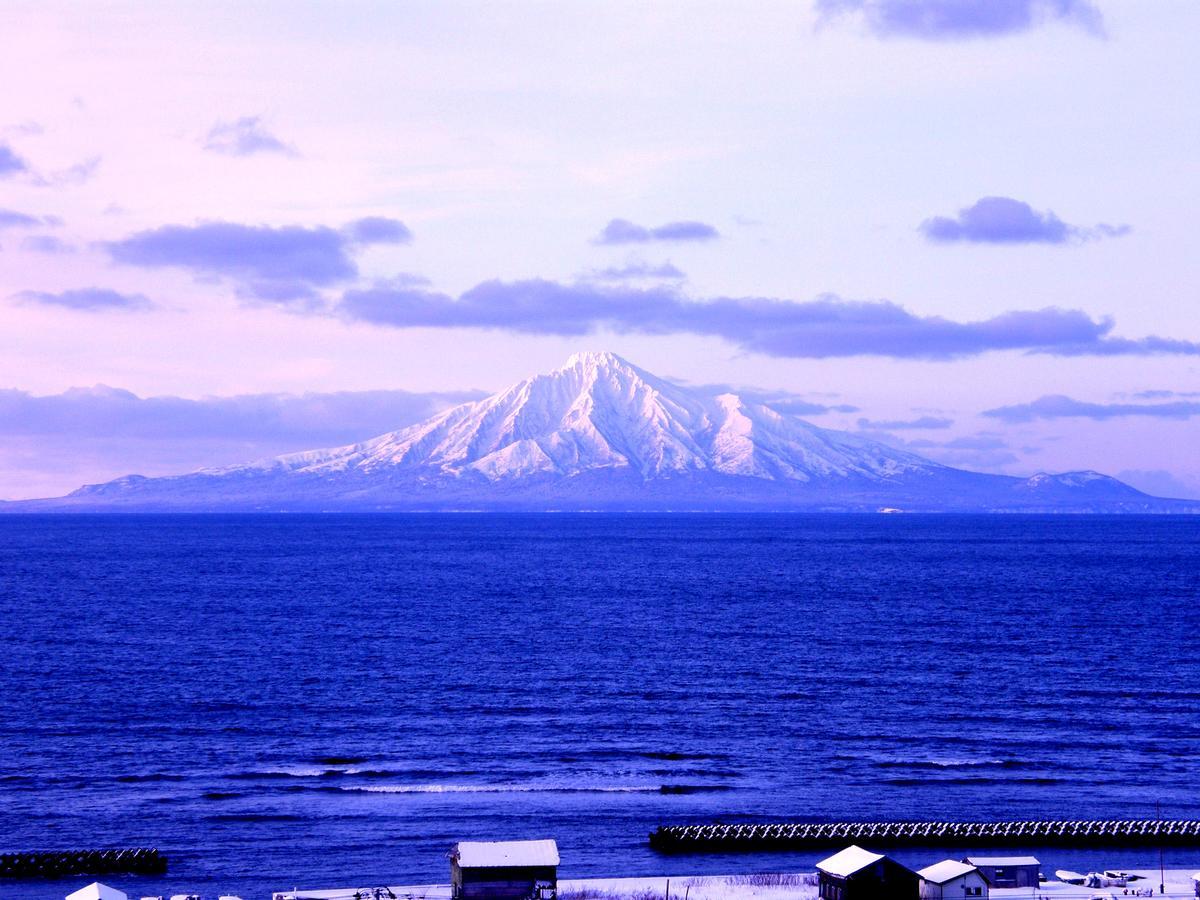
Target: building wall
column 886, row 880
column 1011, row 876
column 511, row 883
column 962, row 888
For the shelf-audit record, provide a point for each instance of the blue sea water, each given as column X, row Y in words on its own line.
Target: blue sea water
column 330, row 701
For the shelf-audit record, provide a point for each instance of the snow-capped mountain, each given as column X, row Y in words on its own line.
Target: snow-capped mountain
column 600, row 433
column 599, row 412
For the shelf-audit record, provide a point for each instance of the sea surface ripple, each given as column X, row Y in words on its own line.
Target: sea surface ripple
column 327, row 701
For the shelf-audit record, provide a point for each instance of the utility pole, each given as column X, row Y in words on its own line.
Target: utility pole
column 1162, row 874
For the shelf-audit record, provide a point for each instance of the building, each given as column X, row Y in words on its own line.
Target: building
column 98, row 891
column 858, row 874
column 1007, row 871
column 504, row 870
column 952, row 880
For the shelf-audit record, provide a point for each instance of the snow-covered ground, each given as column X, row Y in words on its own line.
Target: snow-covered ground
column 795, row 886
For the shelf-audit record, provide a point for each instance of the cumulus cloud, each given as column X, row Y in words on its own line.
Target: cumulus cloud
column 919, row 423
column 622, row 231
column 286, row 265
column 826, row 327
column 1057, row 406
column 91, row 299
column 1002, row 220
column 108, row 432
column 378, row 230
column 960, row 19
column 10, row 163
column 246, row 136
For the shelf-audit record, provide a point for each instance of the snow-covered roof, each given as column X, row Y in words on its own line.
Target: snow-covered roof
column 98, row 891
column 1002, row 861
column 500, row 854
column 946, row 870
column 847, row 862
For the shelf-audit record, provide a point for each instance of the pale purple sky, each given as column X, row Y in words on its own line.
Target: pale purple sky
column 965, row 226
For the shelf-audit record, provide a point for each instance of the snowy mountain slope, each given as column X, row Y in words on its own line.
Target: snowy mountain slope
column 600, row 412
column 600, row 433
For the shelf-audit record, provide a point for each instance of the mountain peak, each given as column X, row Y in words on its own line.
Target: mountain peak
column 596, row 359
column 601, row 414
column 599, row 432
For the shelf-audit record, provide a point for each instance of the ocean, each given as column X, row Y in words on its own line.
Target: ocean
column 330, row 701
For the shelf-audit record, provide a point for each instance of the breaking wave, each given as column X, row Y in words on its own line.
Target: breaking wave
column 535, row 789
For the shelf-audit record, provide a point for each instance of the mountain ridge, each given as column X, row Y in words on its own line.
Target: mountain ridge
column 601, row 433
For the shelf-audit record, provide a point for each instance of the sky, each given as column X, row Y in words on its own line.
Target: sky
column 965, row 227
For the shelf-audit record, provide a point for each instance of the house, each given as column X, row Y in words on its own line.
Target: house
column 504, row 870
column 97, row 891
column 951, row 879
column 858, row 874
column 1007, row 871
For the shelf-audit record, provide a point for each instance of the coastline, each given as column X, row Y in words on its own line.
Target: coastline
column 1179, row 884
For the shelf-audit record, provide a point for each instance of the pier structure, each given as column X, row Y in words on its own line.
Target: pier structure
column 58, row 863
column 750, row 838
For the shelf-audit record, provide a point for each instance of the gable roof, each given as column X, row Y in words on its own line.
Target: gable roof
column 98, row 891
column 946, row 870
column 500, row 854
column 1002, row 861
column 846, row 862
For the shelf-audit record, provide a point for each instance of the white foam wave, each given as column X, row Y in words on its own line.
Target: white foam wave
column 499, row 788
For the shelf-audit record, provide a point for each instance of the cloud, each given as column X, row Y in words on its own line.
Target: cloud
column 826, row 327
column 10, row 218
column 1057, row 406
column 10, row 163
column 922, row 422
column 983, row 440
column 983, row 451
column 52, row 444
column 287, row 265
column 28, row 127
column 960, row 19
column 779, row 400
column 1002, row 220
column 87, row 300
column 638, row 271
column 622, row 231
column 307, row 420
column 76, row 174
column 1162, row 395
column 245, row 137
column 46, row 243
column 378, row 230
column 1160, row 483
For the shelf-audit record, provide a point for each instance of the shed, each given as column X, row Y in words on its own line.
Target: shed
column 858, row 874
column 504, row 870
column 951, row 879
column 1007, row 871
column 98, row 891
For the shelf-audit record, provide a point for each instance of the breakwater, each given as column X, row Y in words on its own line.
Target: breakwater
column 57, row 863
column 1031, row 833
